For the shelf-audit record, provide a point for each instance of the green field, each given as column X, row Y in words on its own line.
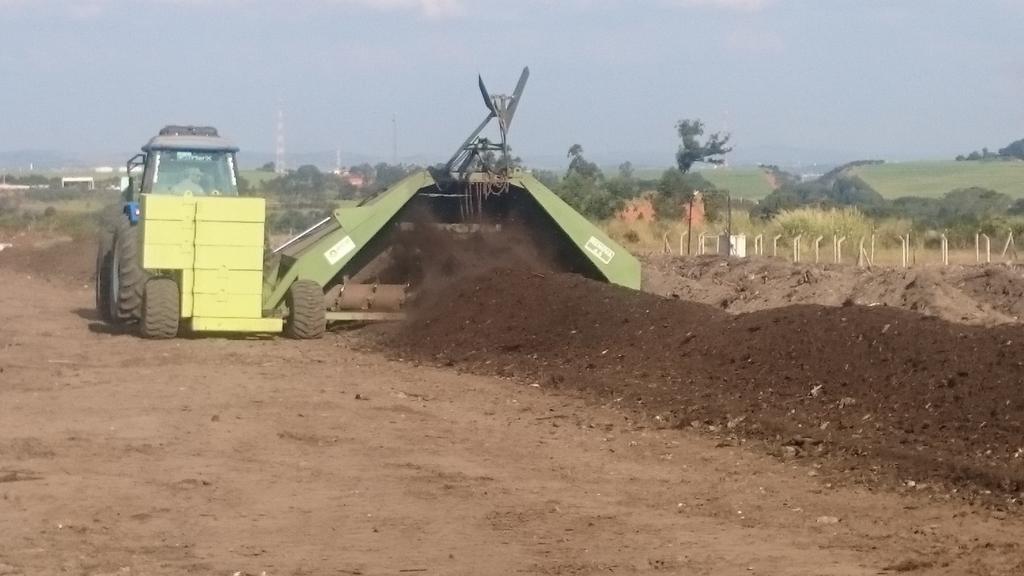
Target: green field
column 933, row 179
column 747, row 183
column 256, row 177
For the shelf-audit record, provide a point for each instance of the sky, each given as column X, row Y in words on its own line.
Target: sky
column 791, row 80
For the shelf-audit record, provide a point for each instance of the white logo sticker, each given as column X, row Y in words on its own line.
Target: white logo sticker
column 340, row 250
column 599, row 250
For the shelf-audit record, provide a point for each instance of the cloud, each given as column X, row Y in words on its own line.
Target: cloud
column 433, row 9
column 741, row 5
column 428, row 8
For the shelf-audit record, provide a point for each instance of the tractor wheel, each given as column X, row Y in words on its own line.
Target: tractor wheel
column 161, row 309
column 307, row 313
column 102, row 281
column 126, row 273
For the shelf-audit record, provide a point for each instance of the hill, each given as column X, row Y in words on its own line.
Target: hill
column 933, row 179
column 747, row 183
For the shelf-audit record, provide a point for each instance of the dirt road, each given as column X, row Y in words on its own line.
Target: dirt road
column 215, row 456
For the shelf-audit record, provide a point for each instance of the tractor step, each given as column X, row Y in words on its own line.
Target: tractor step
column 263, row 325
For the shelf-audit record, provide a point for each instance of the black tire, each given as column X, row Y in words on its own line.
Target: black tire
column 307, row 312
column 127, row 276
column 102, row 280
column 161, row 309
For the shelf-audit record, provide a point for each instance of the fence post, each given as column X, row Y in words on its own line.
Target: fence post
column 759, row 245
column 817, row 245
column 775, row 245
column 1010, row 247
column 839, row 250
column 945, row 250
column 872, row 259
column 988, row 248
column 862, row 254
column 796, row 248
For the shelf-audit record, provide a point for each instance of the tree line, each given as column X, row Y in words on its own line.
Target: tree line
column 1012, row 151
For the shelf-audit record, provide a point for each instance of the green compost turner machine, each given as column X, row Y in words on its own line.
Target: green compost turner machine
column 188, row 252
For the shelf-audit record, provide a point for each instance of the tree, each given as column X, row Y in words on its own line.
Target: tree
column 692, row 150
column 268, row 167
column 580, row 165
column 388, row 174
column 626, row 171
column 1013, row 150
column 588, row 197
column 674, row 190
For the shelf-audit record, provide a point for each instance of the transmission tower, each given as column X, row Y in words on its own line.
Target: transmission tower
column 279, row 162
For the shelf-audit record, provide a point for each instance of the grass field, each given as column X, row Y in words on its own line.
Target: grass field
column 256, row 177
column 747, row 183
column 933, row 179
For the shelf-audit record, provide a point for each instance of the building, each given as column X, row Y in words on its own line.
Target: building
column 87, row 182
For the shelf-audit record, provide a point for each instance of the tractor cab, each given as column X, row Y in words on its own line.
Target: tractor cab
column 183, row 161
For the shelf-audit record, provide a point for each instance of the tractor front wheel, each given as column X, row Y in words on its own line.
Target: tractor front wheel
column 161, row 309
column 128, row 279
column 307, row 313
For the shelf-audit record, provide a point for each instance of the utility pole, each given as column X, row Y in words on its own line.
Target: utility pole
column 279, row 158
column 394, row 139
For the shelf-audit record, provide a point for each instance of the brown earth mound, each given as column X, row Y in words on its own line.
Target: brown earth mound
column 985, row 295
column 877, row 391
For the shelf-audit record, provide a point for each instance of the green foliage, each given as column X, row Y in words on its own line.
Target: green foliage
column 1014, row 150
column 37, row 180
column 580, row 165
column 830, row 191
column 692, row 150
column 385, row 175
column 548, row 178
column 586, row 190
column 676, row 188
column 589, row 196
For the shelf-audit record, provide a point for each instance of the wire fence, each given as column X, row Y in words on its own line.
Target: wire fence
column 864, row 251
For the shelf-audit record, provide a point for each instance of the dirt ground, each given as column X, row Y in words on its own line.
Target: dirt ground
column 983, row 295
column 252, row 456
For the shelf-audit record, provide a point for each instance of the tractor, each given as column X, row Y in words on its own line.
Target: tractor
column 188, row 253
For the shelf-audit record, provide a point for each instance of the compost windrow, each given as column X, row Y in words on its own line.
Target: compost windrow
column 879, row 392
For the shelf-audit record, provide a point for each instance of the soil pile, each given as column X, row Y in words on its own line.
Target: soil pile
column 877, row 390
column 983, row 295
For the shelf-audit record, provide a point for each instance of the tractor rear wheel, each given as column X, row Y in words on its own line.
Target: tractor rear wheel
column 127, row 276
column 307, row 313
column 161, row 309
column 102, row 281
